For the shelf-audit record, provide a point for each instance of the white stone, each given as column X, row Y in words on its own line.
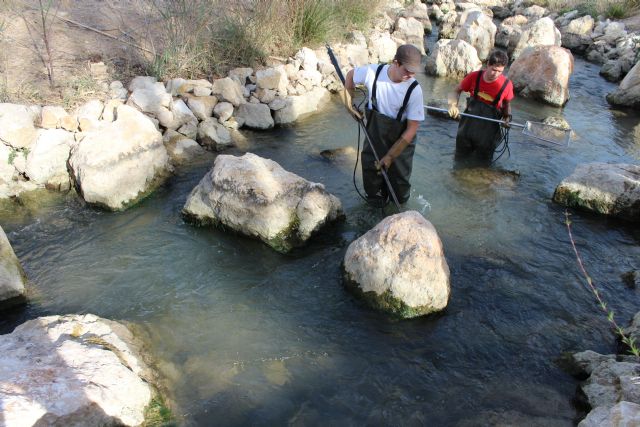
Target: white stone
column 454, row 58
column 258, row 198
column 542, row 73
column 143, row 82
column 273, row 78
column 228, row 90
column 411, row 31
column 47, row 159
column 52, row 117
column 255, row 116
column 299, row 105
column 540, row 32
column 12, row 277
column 202, row 107
column 17, row 125
column 72, row 370
column 307, row 58
column 214, row 135
column 223, row 111
column 116, row 166
column 608, row 189
column 479, row 31
column 400, row 264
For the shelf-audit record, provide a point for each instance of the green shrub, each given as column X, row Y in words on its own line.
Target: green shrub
column 616, row 11
column 314, row 21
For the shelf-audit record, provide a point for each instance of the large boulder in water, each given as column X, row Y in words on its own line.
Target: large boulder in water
column 258, row 198
column 117, row 165
column 480, row 32
column 609, row 189
column 542, row 73
column 12, row 277
column 628, row 93
column 73, row 370
column 542, row 32
column 453, row 58
column 399, row 266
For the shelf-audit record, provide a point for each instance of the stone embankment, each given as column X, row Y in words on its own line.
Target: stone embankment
column 116, row 151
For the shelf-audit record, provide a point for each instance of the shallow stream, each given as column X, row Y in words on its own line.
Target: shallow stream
column 247, row 336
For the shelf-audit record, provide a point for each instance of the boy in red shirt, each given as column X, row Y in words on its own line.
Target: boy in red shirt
column 491, row 94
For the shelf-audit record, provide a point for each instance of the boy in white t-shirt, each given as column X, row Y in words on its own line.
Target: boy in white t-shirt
column 394, row 112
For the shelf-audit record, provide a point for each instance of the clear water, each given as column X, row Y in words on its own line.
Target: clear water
column 247, row 336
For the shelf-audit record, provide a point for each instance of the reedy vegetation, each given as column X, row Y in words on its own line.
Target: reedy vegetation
column 205, row 37
column 626, row 339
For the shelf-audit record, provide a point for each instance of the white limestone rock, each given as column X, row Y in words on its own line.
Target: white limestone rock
column 628, row 93
column 17, row 125
column 411, row 31
column 241, row 75
column 258, row 198
column 540, row 32
column 479, row 31
column 202, row 106
column 273, row 78
column 255, row 116
column 608, row 189
column 223, row 111
column 119, row 164
column 297, row 106
column 73, row 370
column 399, row 266
column 47, row 159
column 454, row 58
column 542, row 73
column 213, row 135
column 228, row 90
column 12, row 277
column 382, row 46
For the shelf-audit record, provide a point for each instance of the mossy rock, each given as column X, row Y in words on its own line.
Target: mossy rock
column 385, row 302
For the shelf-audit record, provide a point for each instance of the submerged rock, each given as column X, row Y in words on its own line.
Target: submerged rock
column 12, row 277
column 258, row 198
column 116, row 166
column 399, row 266
column 609, row 189
column 73, row 370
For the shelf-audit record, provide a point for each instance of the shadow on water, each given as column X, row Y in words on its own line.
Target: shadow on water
column 249, row 336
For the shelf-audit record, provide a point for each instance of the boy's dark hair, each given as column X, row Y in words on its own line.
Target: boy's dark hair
column 498, row 57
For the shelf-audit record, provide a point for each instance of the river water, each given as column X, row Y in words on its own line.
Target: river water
column 247, row 336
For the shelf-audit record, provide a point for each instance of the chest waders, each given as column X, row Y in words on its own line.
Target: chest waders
column 476, row 137
column 384, row 132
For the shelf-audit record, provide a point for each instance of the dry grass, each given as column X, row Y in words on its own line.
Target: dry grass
column 615, row 9
column 205, row 37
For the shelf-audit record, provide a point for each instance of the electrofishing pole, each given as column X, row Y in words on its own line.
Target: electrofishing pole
column 360, row 121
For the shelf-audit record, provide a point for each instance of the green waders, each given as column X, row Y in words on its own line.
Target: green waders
column 476, row 137
column 384, row 132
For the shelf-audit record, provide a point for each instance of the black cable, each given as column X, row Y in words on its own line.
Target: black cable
column 355, row 185
column 503, row 144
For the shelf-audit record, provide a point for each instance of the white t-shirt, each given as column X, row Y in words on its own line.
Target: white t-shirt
column 390, row 95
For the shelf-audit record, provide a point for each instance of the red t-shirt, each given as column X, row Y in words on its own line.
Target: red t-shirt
column 488, row 91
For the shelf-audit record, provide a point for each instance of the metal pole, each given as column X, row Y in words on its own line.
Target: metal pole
column 334, row 61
